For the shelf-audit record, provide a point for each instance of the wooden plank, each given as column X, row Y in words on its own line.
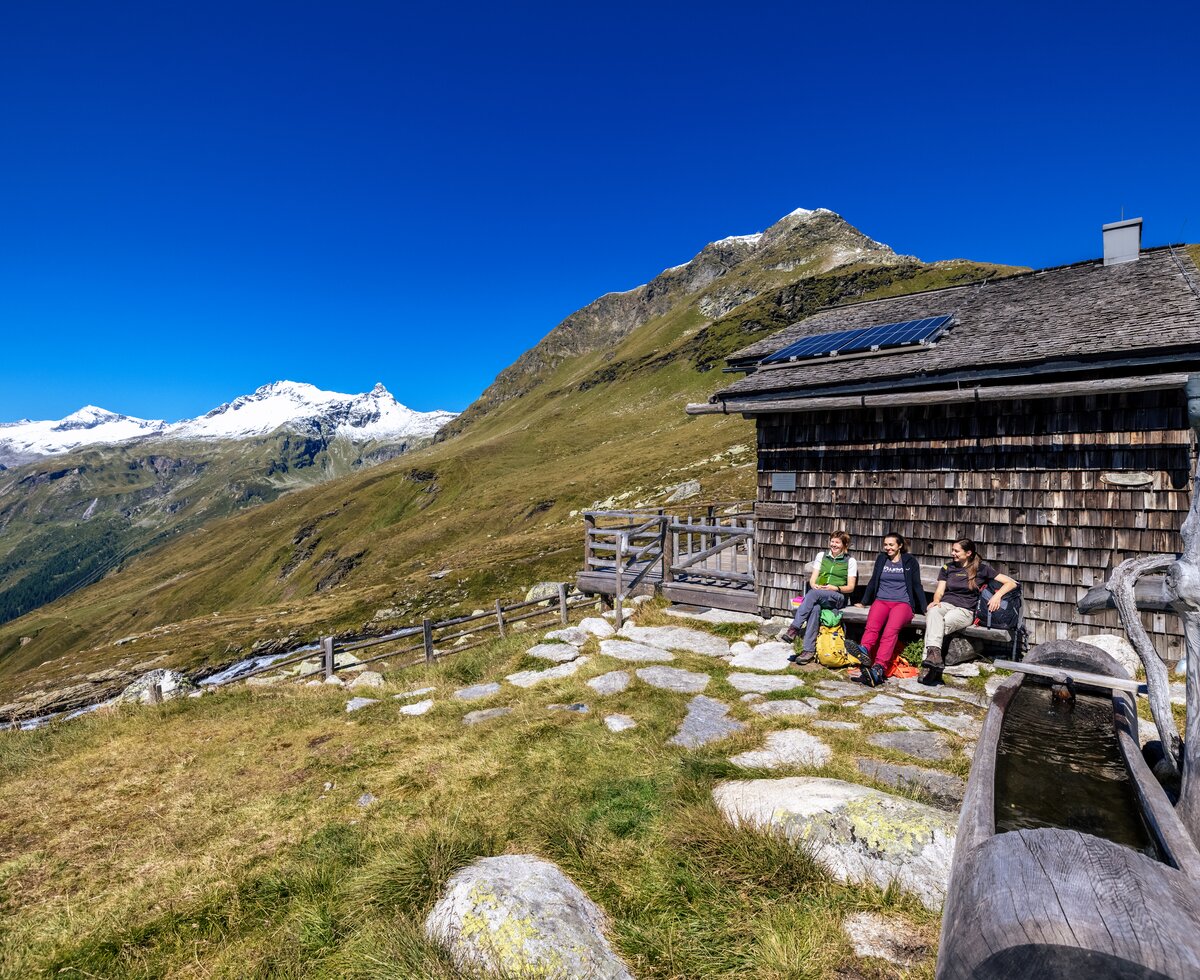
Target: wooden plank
column 768, row 511
column 1150, row 594
column 1075, row 676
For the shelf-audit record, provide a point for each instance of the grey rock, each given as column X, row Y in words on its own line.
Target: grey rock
column 684, row 491
column 528, row 678
column 704, row 722
column 838, row 690
column 368, row 678
column 543, row 590
column 559, row 653
column 943, row 787
column 923, row 745
column 334, row 681
column 739, row 647
column 597, row 627
column 844, row 726
column 486, row 714
column 417, row 707
column 619, row 723
column 613, row 682
column 1178, row 694
column 909, row 696
column 992, row 684
column 717, row 616
column 859, row 834
column 907, row 722
column 963, row 670
column 415, row 693
column 964, row 726
column 345, row 660
column 366, row 799
column 520, row 916
column 872, row 935
column 172, row 684
column 476, row 691
column 578, row 707
column 1117, row 647
column 791, row 747
column 1181, row 668
column 674, row 679
column 817, row 703
column 677, row 638
column 751, row 698
column 637, row 653
column 763, row 683
column 354, row 704
column 575, row 635
column 785, row 709
column 770, row 656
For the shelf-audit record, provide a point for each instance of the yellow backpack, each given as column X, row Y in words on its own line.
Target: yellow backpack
column 832, row 651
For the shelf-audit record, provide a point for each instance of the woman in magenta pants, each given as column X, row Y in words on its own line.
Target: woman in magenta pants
column 895, row 595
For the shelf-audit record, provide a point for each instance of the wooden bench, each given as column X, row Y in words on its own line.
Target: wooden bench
column 980, row 637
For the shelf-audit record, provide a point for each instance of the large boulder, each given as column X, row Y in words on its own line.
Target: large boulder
column 542, row 590
column 861, row 835
column 1117, row 647
column 520, row 916
column 172, row 684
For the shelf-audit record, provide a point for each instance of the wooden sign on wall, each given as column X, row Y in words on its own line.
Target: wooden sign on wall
column 774, row 512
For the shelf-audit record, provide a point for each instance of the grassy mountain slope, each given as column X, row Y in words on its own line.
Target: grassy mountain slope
column 491, row 506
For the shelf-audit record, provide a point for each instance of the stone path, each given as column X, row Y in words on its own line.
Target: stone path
column 784, row 709
column 762, row 684
column 558, row 653
column 677, row 638
column 792, row 747
column 766, row 656
column 705, row 722
column 528, row 678
column 638, row 653
column 674, row 679
column 613, row 682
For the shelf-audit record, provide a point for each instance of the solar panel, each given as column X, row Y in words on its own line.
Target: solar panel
column 921, row 331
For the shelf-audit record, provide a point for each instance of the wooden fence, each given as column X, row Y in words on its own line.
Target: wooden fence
column 426, row 638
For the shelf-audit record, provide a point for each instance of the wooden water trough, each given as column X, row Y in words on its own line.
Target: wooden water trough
column 1052, row 901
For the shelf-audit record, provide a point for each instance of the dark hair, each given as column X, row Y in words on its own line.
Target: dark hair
column 973, row 562
column 899, row 540
column 842, row 536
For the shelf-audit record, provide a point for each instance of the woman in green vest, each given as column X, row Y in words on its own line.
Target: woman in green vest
column 835, row 574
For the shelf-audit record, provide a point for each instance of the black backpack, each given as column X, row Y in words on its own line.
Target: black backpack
column 1007, row 617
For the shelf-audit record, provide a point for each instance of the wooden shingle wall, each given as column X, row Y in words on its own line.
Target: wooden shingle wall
column 1025, row 480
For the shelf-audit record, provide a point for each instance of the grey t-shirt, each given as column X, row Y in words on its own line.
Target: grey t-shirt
column 892, row 584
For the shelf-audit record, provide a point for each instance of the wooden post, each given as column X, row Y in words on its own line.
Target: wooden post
column 156, row 693
column 668, row 550
column 500, row 618
column 327, row 651
column 617, row 605
column 589, row 525
column 562, row 602
column 427, row 630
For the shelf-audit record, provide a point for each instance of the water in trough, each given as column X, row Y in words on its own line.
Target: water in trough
column 1059, row 765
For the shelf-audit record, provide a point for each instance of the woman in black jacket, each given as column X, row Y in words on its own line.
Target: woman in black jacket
column 895, row 595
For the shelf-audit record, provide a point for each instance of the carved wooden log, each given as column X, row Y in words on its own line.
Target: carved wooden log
column 1122, row 584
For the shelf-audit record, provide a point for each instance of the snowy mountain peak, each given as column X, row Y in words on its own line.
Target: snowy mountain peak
column 291, row 405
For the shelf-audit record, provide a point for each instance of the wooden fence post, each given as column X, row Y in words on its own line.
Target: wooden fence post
column 589, row 525
column 427, row 630
column 668, row 551
column 500, row 618
column 562, row 602
column 327, row 651
column 617, row 603
column 156, row 693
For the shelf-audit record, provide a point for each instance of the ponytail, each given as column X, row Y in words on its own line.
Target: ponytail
column 973, row 562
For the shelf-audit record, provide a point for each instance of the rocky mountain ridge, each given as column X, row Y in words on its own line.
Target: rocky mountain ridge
column 282, row 405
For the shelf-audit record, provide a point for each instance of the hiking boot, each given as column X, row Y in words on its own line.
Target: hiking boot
column 802, row 658
column 931, row 667
column 873, row 676
column 789, row 636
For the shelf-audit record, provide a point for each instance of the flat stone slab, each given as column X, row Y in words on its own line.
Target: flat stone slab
column 873, row 935
column 354, row 704
column 614, row 682
column 943, row 787
column 636, row 653
column 964, row 726
column 578, row 707
column 704, row 722
column 619, row 723
column 487, row 714
column 528, row 678
column 597, row 627
column 674, row 679
column 559, row 653
column 817, row 703
column 368, row 678
column 739, row 647
column 859, row 834
column 923, row 745
column 907, row 722
column 751, row 698
column 417, row 707
column 476, row 691
column 575, row 635
column 842, row 689
column 718, row 616
column 763, row 683
column 962, row 670
column 784, row 709
column 910, row 685
column 791, row 747
column 765, row 656
column 908, row 696
column 677, row 638
column 520, row 916
column 416, row 693
column 844, row 726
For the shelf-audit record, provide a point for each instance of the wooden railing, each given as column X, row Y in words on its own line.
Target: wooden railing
column 429, row 635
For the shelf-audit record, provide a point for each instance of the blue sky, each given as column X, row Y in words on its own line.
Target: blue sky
column 196, row 199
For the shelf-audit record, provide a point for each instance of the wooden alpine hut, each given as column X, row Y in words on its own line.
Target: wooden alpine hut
column 1041, row 414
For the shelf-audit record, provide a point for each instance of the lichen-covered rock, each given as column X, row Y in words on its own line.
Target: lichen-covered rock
column 520, row 916
column 597, row 627
column 543, row 590
column 677, row 638
column 861, row 835
column 790, row 747
column 368, row 678
column 575, row 635
column 558, row 653
column 614, row 682
column 638, row 653
column 172, row 684
column 354, row 704
column 528, row 678
column 706, row 721
column 763, row 683
column 674, row 679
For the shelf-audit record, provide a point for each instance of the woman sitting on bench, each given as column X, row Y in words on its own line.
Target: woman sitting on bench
column 829, row 587
column 952, row 607
column 895, row 595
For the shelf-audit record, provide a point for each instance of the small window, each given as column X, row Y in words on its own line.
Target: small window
column 785, row 482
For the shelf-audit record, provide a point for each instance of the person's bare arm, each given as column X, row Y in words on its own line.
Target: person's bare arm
column 938, row 593
column 1007, row 584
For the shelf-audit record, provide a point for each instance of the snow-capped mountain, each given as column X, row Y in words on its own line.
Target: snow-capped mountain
column 297, row 407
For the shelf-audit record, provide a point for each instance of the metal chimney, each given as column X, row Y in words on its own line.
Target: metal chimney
column 1122, row 241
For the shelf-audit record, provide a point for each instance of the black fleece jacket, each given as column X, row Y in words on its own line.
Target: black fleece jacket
column 912, row 576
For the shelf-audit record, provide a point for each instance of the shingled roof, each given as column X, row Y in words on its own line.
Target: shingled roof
column 1069, row 319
